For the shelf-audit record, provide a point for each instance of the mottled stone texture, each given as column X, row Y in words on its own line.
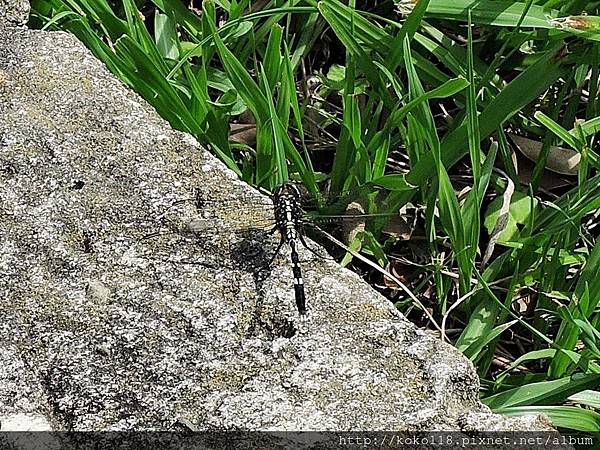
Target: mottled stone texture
column 108, row 327
column 14, row 12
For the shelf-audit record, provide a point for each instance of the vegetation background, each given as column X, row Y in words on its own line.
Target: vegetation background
column 477, row 121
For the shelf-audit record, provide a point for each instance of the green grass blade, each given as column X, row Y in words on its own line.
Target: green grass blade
column 568, row 417
column 586, row 299
column 139, row 33
column 191, row 22
column 587, row 27
column 559, row 131
column 589, row 127
column 408, row 29
column 271, row 163
column 342, row 20
column 491, row 12
column 272, row 59
column 243, row 82
column 393, row 182
column 415, row 89
column 471, row 210
column 518, row 93
column 588, row 398
column 546, row 392
column 473, row 350
column 165, row 36
column 100, row 12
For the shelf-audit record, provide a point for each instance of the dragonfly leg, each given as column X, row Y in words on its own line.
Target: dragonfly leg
column 308, row 247
column 281, row 242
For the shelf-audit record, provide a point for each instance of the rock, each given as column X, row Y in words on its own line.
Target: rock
column 117, row 319
column 14, row 12
column 25, row 422
column 22, row 396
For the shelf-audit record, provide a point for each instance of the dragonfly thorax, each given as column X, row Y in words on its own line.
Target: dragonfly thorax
column 288, row 213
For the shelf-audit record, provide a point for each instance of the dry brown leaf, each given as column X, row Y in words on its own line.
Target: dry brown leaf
column 524, row 302
column 399, row 228
column 560, row 160
column 549, row 180
column 244, row 133
column 400, row 271
column 351, row 227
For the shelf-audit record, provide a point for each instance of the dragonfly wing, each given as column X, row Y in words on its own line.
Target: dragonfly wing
column 218, row 225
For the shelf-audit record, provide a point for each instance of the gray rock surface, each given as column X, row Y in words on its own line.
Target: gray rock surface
column 107, row 328
column 14, row 12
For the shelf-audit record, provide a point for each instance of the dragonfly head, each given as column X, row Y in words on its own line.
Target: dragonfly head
column 287, row 189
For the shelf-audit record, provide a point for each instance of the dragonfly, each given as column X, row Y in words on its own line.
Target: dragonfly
column 281, row 212
column 288, row 219
column 288, row 215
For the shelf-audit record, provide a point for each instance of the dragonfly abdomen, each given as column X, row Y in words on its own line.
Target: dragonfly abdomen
column 288, row 216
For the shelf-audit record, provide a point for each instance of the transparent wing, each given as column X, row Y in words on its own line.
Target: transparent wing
column 250, row 202
column 214, row 218
column 243, row 213
column 230, row 221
